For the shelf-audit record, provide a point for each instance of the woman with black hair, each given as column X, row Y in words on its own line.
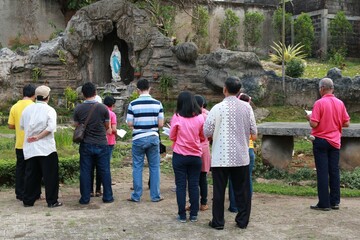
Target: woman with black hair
column 186, row 132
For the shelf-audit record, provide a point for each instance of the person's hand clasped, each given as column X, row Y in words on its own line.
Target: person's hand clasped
column 32, row 139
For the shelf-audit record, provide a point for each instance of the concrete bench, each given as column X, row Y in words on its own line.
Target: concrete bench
column 278, row 143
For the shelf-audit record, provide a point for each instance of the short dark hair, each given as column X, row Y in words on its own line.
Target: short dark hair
column 88, row 90
column 244, row 97
column 41, row 98
column 29, row 90
column 109, row 101
column 143, row 84
column 200, row 100
column 233, row 85
column 186, row 105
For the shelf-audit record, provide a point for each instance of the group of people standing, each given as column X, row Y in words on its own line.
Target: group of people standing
column 230, row 126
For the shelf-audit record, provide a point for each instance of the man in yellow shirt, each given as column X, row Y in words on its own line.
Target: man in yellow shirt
column 14, row 123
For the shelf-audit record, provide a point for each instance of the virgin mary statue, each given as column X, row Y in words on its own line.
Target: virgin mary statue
column 115, row 64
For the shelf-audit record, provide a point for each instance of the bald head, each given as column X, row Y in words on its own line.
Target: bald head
column 326, row 83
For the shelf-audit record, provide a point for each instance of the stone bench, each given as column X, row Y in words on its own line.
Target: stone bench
column 278, row 143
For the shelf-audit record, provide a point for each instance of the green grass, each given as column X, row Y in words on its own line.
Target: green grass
column 319, row 69
column 5, row 130
column 283, row 189
column 316, row 68
column 285, row 114
column 302, row 145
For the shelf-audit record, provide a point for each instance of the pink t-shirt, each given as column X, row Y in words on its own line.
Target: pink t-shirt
column 111, row 138
column 206, row 156
column 330, row 114
column 187, row 135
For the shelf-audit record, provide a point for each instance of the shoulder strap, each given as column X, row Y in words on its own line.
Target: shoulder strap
column 90, row 113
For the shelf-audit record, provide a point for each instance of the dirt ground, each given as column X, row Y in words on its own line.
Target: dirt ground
column 272, row 217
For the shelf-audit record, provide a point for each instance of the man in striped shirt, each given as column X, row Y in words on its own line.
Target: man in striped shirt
column 145, row 116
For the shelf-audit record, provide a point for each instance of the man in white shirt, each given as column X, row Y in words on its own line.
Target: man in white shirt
column 39, row 124
column 230, row 124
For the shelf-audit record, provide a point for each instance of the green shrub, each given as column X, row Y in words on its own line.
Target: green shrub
column 295, row 68
column 351, row 179
column 337, row 58
column 252, row 28
column 229, row 30
column 340, row 29
column 7, row 172
column 71, row 97
column 303, row 174
column 68, row 170
column 277, row 22
column 275, row 173
column 166, row 82
column 200, row 24
column 304, row 32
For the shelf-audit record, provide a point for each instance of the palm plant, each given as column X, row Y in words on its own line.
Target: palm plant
column 289, row 52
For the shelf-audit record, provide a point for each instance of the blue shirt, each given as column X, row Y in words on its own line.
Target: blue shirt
column 144, row 113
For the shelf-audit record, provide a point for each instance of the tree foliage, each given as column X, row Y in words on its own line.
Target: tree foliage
column 252, row 24
column 340, row 29
column 304, row 32
column 277, row 22
column 200, row 23
column 229, row 30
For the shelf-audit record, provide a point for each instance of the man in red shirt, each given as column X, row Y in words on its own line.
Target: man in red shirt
column 328, row 117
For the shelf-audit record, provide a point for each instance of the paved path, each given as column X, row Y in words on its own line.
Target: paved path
column 273, row 217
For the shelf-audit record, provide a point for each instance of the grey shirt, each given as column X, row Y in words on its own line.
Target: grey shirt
column 95, row 132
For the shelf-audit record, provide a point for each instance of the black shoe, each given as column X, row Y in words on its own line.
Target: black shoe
column 108, row 201
column 215, row 227
column 242, row 227
column 335, row 207
column 19, row 198
column 57, row 204
column 28, row 205
column 316, row 207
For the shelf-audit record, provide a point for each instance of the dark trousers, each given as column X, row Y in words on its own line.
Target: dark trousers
column 20, row 174
column 328, row 173
column 240, row 180
column 36, row 168
column 187, row 169
column 203, row 188
column 98, row 179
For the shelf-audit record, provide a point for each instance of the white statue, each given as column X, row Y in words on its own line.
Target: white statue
column 115, row 64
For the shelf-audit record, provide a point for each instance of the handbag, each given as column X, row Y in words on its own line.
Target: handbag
column 79, row 131
column 161, row 146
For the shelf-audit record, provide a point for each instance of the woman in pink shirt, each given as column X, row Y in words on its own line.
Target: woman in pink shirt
column 186, row 132
column 109, row 101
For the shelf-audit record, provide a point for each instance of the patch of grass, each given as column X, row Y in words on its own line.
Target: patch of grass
column 284, row 189
column 302, row 145
column 316, row 68
column 6, row 130
column 285, row 114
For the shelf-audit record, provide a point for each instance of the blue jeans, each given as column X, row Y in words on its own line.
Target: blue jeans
column 148, row 146
column 328, row 173
column 92, row 154
column 232, row 207
column 187, row 168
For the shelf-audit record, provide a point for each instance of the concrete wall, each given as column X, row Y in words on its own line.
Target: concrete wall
column 30, row 19
column 183, row 27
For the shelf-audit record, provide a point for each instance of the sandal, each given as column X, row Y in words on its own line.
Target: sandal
column 57, row 204
column 98, row 194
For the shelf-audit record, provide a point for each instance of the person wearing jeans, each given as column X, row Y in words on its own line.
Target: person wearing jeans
column 100, row 155
column 327, row 119
column 186, row 132
column 148, row 146
column 94, row 148
column 145, row 116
